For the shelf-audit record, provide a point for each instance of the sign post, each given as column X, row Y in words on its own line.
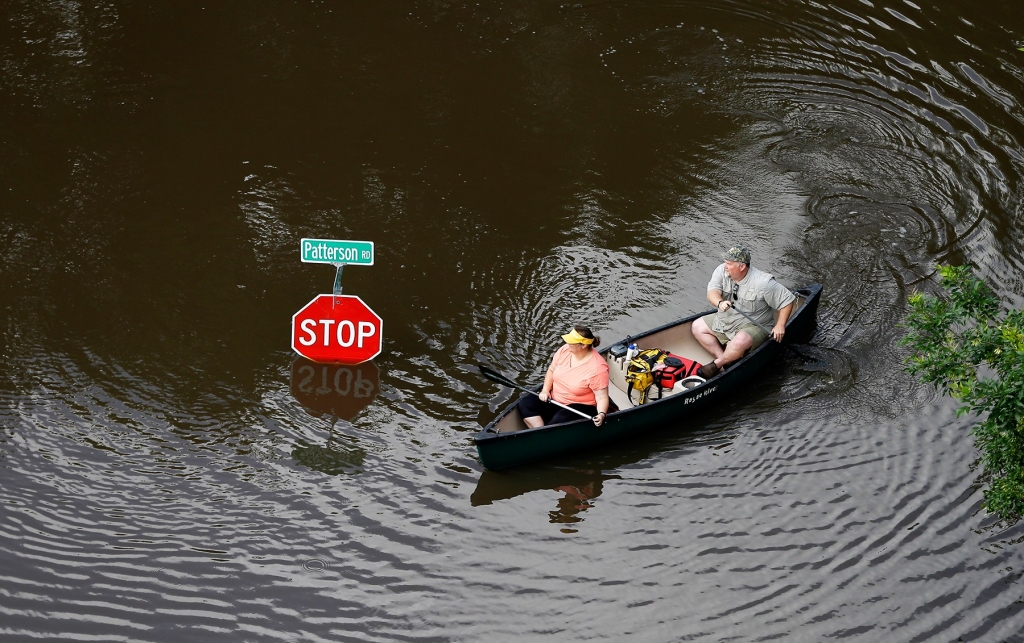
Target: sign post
column 337, row 253
column 337, row 335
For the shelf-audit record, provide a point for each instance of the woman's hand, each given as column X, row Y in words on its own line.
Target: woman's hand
column 544, row 396
column 599, row 418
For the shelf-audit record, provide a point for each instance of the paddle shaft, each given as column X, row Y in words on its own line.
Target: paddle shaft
column 762, row 327
column 501, row 379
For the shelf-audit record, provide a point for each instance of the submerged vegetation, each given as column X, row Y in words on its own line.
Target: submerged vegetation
column 964, row 345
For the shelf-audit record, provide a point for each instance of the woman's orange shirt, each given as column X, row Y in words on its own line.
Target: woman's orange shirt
column 576, row 383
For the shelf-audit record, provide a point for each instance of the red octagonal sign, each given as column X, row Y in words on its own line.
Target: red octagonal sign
column 337, row 328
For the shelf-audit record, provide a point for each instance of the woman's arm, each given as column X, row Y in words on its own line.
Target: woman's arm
column 549, row 380
column 602, row 405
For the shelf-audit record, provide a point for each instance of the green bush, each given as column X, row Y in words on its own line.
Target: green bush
column 965, row 347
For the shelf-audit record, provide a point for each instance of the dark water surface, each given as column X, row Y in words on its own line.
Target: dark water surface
column 520, row 167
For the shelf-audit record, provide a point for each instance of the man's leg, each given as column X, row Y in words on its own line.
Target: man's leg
column 706, row 338
column 735, row 349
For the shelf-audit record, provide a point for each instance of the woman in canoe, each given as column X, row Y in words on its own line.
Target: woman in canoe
column 577, row 377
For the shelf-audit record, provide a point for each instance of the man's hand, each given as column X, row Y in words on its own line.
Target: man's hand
column 778, row 332
column 724, row 305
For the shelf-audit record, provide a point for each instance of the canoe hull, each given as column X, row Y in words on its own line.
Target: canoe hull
column 500, row 450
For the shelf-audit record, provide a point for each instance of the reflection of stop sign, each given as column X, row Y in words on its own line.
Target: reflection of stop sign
column 341, row 390
column 337, row 328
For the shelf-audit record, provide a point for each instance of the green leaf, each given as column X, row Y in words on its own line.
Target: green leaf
column 950, row 336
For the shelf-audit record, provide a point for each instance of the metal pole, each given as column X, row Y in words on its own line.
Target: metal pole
column 337, row 279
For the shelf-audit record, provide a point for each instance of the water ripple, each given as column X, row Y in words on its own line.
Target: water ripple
column 521, row 169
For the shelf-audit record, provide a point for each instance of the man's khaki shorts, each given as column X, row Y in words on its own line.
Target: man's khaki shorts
column 756, row 332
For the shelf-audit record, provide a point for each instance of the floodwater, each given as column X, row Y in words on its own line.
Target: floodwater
column 169, row 471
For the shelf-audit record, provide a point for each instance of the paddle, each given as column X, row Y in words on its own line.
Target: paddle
column 770, row 336
column 501, row 379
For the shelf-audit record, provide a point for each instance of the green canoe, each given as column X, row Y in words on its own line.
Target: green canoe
column 508, row 442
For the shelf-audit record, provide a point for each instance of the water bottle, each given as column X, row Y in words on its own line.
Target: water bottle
column 631, row 352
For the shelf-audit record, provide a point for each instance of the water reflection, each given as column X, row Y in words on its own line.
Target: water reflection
column 575, row 501
column 333, row 457
column 580, row 486
column 523, row 166
column 335, row 390
column 332, row 392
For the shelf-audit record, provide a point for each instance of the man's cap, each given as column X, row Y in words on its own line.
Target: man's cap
column 736, row 253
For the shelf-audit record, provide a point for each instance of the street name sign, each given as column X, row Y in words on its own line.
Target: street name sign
column 359, row 253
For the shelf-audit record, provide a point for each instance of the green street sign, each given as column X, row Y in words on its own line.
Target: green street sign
column 335, row 252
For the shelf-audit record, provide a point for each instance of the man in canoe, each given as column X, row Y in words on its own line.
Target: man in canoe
column 736, row 287
column 577, row 377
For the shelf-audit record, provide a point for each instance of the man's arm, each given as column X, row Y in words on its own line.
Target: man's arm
column 779, row 331
column 716, row 299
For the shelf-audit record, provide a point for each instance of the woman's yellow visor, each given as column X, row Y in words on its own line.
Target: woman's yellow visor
column 575, row 338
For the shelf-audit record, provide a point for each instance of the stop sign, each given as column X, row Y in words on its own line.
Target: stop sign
column 337, row 328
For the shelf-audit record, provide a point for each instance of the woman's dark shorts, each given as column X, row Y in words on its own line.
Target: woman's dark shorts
column 530, row 405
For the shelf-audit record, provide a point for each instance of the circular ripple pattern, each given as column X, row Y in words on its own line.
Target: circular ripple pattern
column 520, row 169
column 315, row 565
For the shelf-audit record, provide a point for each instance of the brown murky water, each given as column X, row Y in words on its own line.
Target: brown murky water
column 169, row 472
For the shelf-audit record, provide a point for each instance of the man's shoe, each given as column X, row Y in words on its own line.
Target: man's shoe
column 708, row 371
